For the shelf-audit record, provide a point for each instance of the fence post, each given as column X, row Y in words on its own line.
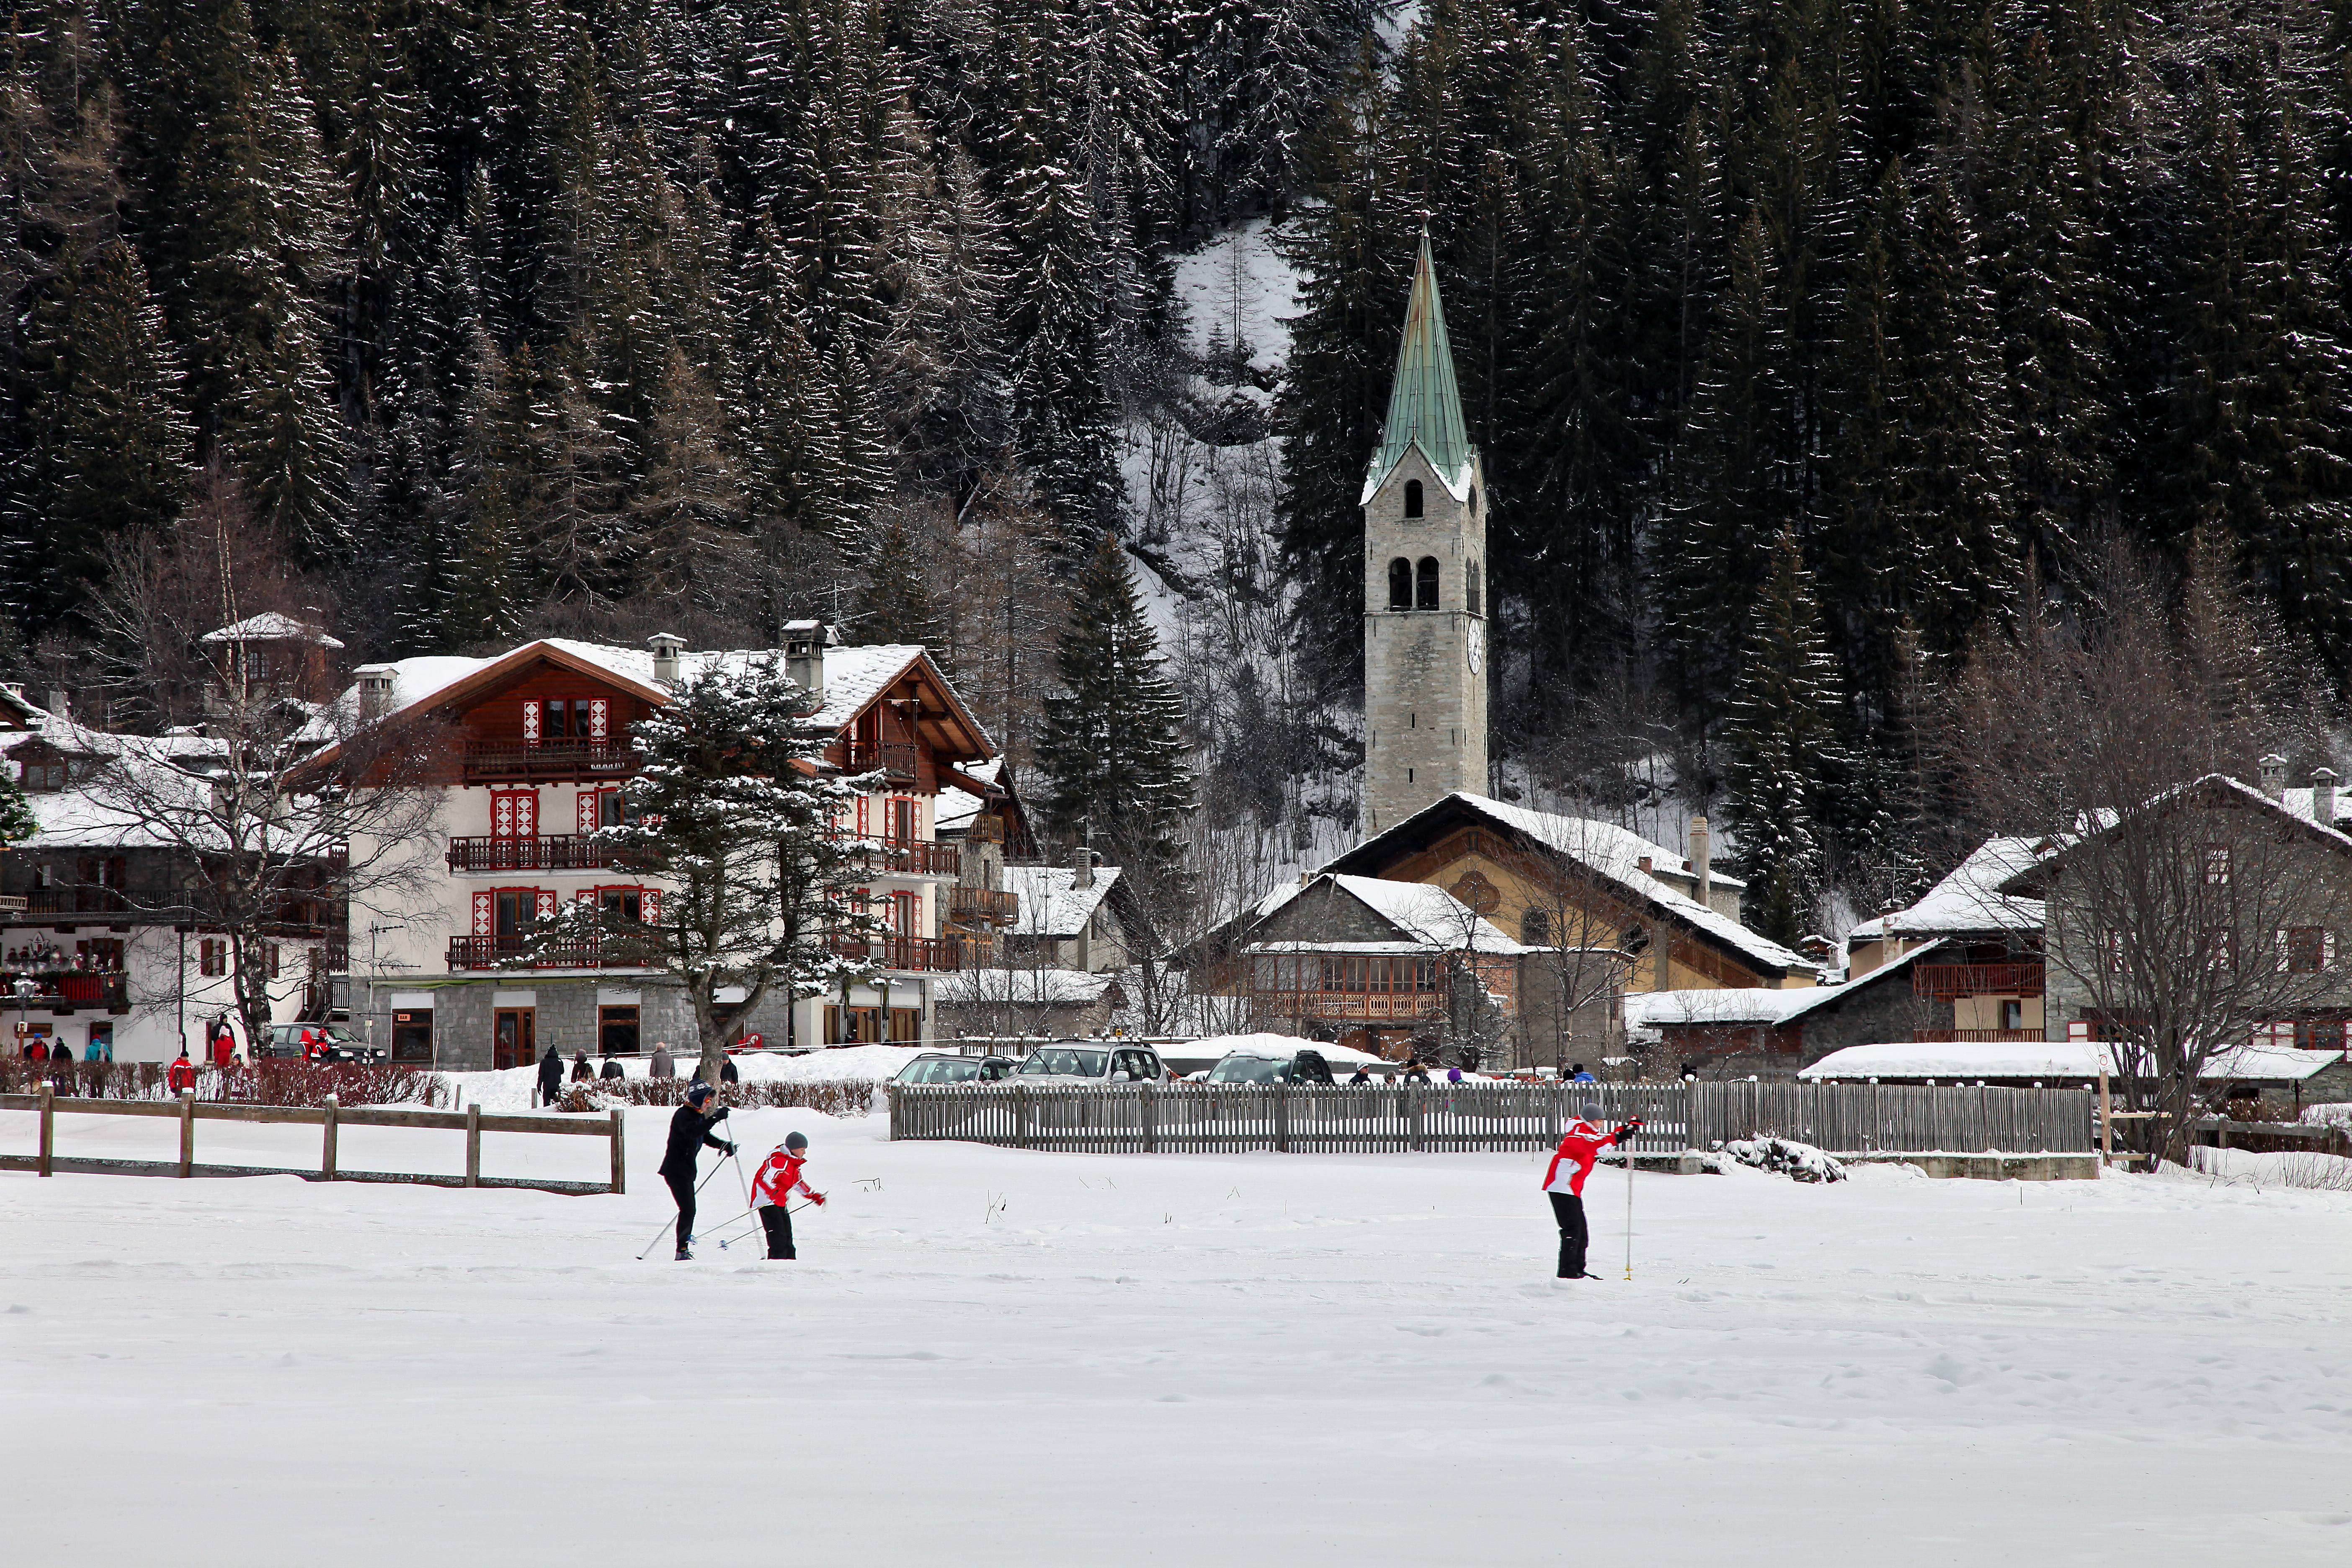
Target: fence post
column 620, row 1169
column 187, row 1132
column 49, row 1126
column 1416, row 1098
column 1021, row 1117
column 473, row 1145
column 1150, row 1119
column 1282, row 1119
column 326, row 1151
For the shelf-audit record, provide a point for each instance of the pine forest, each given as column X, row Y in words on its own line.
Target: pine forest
column 1826, row 359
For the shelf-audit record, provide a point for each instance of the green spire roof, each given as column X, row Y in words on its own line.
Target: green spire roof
column 1425, row 405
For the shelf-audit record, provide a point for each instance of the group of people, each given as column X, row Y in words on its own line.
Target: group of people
column 773, row 1185
column 660, row 1064
column 43, row 957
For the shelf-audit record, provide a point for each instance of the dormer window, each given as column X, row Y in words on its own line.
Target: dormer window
column 1413, row 498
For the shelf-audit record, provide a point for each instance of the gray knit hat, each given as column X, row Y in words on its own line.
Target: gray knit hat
column 1590, row 1111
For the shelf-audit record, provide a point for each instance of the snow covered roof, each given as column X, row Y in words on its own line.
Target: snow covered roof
column 953, row 810
column 2298, row 803
column 1969, row 898
column 271, row 627
column 2105, row 821
column 1430, row 917
column 1043, row 987
column 1051, row 903
column 1617, row 854
column 2059, row 1059
column 1756, row 1005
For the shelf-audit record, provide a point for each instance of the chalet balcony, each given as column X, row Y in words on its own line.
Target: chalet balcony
column 67, row 991
column 904, row 856
column 1949, row 981
column 983, row 906
column 894, row 758
column 913, row 954
column 1976, row 1037
column 297, row 918
column 467, row 952
column 549, row 852
column 1365, row 1005
column 488, row 761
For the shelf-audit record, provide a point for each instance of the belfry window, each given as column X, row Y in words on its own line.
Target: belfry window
column 1426, row 585
column 1470, row 585
column 1413, row 498
column 1400, row 583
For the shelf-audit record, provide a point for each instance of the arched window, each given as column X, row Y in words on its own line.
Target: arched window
column 1470, row 585
column 1400, row 583
column 1535, row 928
column 1413, row 498
column 1426, row 585
column 1474, row 497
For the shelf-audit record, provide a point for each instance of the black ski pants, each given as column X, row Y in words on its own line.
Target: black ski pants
column 682, row 1189
column 1575, row 1235
column 777, row 1221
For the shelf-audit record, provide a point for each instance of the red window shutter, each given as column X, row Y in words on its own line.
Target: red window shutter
column 649, row 905
column 600, row 711
column 544, row 905
column 502, row 810
column 586, row 811
column 862, row 809
column 527, row 813
column 484, row 915
column 530, row 722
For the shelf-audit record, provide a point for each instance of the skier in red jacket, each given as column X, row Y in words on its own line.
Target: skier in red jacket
column 773, row 1186
column 183, row 1073
column 1564, row 1183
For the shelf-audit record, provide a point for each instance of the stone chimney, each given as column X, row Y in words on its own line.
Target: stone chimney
column 1082, row 864
column 2274, row 775
column 666, row 647
column 1645, row 865
column 375, row 691
column 805, row 646
column 2323, row 796
column 1701, row 846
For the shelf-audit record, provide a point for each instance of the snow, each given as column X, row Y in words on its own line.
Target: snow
column 511, row 1090
column 1969, row 898
column 996, row 1357
column 1753, row 1005
column 1043, row 987
column 1237, row 284
column 1051, row 903
column 269, row 625
column 1428, row 915
column 2068, row 1060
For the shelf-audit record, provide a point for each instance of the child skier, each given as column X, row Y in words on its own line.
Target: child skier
column 778, row 1178
column 1564, row 1181
column 689, row 1131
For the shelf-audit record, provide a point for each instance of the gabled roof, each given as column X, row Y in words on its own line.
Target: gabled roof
column 1969, row 898
column 1753, row 1006
column 271, row 627
column 2027, row 882
column 1423, row 917
column 1606, row 850
column 1424, row 404
column 1051, row 903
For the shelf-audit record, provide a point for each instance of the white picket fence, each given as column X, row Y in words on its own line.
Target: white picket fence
column 1218, row 1119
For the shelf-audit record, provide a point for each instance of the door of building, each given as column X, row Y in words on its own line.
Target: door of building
column 515, row 1037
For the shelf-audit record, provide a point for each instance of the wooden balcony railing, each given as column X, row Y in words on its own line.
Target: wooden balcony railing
column 298, row 916
column 64, row 989
column 912, row 954
column 895, row 759
column 1350, row 1004
column 983, row 906
column 550, row 852
column 518, row 951
column 1987, row 1037
column 905, row 858
column 1945, row 982
column 488, row 760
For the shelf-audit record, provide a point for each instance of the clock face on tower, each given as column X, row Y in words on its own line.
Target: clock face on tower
column 1474, row 644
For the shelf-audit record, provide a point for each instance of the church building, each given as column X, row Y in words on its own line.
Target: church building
column 1424, row 597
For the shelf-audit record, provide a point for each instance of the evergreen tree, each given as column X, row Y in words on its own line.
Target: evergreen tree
column 1779, row 750
column 1113, row 750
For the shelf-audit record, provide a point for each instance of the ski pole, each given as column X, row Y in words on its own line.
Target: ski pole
column 673, row 1220
column 752, row 1229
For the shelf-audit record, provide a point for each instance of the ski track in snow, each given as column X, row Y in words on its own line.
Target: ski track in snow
column 997, row 1357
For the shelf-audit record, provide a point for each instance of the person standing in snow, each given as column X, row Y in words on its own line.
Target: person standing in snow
column 663, row 1066
column 1363, row 1076
column 550, row 1077
column 580, row 1071
column 727, row 1073
column 689, row 1131
column 773, row 1186
column 183, row 1073
column 611, row 1068
column 1564, row 1183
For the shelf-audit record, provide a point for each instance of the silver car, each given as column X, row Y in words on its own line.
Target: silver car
column 1094, row 1065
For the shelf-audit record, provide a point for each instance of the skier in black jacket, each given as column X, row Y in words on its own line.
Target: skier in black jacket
column 689, row 1131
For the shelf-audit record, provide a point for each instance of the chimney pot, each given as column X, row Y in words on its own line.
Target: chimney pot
column 1082, row 863
column 2323, row 796
column 666, row 647
column 1702, row 845
column 2273, row 776
column 805, row 646
column 1645, row 865
column 375, row 691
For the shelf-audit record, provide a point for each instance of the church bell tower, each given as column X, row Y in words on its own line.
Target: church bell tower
column 1425, row 591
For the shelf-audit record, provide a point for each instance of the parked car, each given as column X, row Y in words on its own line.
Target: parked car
column 1091, row 1064
column 938, row 1066
column 319, row 1043
column 1245, row 1067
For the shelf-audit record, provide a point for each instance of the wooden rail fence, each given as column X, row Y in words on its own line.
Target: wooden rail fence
column 1205, row 1118
column 331, row 1119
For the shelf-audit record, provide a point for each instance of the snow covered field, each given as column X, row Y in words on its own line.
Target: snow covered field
column 997, row 1357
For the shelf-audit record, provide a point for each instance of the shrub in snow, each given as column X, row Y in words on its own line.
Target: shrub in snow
column 1785, row 1157
column 2338, row 1114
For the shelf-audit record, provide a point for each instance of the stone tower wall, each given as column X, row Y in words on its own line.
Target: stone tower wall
column 1424, row 671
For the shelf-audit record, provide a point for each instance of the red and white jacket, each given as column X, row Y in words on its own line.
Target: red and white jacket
column 778, row 1178
column 1578, row 1151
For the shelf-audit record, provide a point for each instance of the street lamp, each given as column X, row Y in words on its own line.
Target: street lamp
column 376, row 968
column 25, row 989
